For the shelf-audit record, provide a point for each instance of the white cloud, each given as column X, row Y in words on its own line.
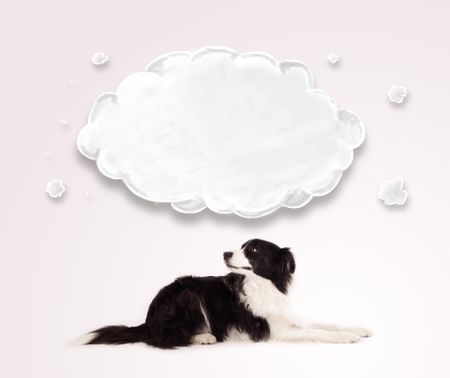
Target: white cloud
column 237, row 133
column 333, row 58
column 55, row 188
column 392, row 192
column 397, row 94
column 99, row 58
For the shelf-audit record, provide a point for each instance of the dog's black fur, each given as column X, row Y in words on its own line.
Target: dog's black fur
column 175, row 314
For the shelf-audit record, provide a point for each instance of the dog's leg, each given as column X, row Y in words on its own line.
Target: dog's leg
column 314, row 336
column 281, row 330
column 203, row 338
column 301, row 323
column 362, row 332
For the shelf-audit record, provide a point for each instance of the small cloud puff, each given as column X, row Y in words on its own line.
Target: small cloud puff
column 99, row 58
column 392, row 192
column 333, row 58
column 235, row 133
column 397, row 94
column 55, row 188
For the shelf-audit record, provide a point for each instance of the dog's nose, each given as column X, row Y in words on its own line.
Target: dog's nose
column 227, row 255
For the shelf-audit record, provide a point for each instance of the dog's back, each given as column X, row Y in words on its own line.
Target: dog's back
column 187, row 307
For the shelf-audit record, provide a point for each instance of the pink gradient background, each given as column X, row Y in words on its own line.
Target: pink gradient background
column 77, row 263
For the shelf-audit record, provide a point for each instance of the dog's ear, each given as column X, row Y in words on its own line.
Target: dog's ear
column 288, row 259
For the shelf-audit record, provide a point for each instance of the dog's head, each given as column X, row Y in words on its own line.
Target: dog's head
column 264, row 259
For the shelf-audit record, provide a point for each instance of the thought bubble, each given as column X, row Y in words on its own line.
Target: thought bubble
column 235, row 133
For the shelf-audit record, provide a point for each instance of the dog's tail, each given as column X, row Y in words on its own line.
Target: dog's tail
column 121, row 335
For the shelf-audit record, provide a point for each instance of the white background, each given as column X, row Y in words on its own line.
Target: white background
column 74, row 264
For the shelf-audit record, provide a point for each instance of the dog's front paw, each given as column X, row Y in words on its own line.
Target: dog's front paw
column 362, row 332
column 203, row 339
column 346, row 337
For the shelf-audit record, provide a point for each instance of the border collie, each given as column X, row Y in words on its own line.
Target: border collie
column 250, row 303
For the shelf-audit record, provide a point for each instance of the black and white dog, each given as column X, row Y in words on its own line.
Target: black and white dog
column 248, row 304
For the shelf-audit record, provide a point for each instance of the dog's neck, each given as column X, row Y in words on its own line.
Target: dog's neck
column 262, row 297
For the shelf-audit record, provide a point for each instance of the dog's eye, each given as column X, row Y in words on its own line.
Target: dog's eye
column 253, row 249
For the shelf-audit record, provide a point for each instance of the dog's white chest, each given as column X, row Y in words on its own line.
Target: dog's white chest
column 262, row 297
